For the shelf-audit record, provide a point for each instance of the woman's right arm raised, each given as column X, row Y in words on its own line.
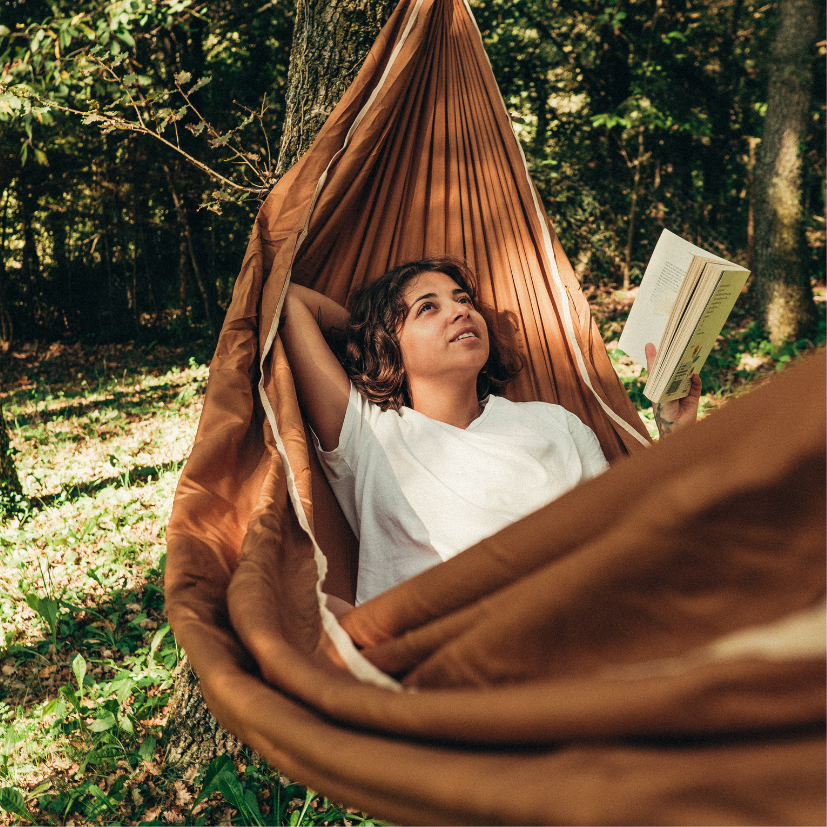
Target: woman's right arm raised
column 321, row 382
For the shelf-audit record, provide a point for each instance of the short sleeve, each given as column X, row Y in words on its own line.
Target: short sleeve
column 342, row 460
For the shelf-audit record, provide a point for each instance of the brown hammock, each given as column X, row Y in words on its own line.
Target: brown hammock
column 643, row 650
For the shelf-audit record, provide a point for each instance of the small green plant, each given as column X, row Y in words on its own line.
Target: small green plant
column 12, row 801
column 292, row 805
column 10, row 740
column 221, row 776
column 48, row 609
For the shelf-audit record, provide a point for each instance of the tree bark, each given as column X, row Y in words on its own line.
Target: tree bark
column 192, row 735
column 10, row 488
column 6, row 325
column 752, row 143
column 183, row 220
column 630, row 231
column 782, row 288
column 30, row 260
column 330, row 41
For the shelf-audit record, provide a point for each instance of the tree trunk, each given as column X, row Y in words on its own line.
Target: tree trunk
column 183, row 220
column 782, row 281
column 192, row 735
column 330, row 41
column 6, row 326
column 752, row 143
column 10, row 489
column 30, row 260
column 630, row 230
column 183, row 306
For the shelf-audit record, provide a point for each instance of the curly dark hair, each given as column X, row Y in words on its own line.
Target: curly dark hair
column 373, row 358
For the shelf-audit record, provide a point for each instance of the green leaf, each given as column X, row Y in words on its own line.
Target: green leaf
column 251, row 804
column 183, row 77
column 231, row 789
column 5, row 31
column 79, row 668
column 37, row 40
column 199, row 84
column 219, row 765
column 147, row 749
column 123, row 688
column 47, row 608
column 69, row 693
column 125, row 722
column 196, row 129
column 10, row 741
column 157, row 638
column 307, row 799
column 50, row 707
column 12, row 801
column 40, row 788
column 106, row 721
column 101, row 796
column 90, row 523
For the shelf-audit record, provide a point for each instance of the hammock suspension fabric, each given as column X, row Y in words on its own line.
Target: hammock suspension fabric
column 607, row 657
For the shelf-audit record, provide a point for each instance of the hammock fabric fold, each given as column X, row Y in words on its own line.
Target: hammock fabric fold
column 647, row 649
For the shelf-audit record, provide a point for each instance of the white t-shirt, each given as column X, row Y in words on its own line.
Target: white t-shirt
column 417, row 491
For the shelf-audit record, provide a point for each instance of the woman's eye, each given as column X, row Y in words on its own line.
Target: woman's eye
column 423, row 307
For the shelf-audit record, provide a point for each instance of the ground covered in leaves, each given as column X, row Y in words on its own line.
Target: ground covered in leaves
column 87, row 659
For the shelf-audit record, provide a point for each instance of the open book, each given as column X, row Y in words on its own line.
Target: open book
column 681, row 306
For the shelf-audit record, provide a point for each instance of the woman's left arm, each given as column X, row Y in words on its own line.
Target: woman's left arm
column 677, row 414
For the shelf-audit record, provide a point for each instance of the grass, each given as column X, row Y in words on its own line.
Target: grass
column 87, row 659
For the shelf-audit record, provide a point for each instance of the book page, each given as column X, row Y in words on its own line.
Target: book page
column 657, row 293
column 683, row 305
column 694, row 306
column 702, row 338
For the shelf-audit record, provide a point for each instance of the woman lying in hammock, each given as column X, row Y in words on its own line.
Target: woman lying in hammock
column 423, row 458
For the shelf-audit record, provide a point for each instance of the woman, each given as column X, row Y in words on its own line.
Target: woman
column 423, row 458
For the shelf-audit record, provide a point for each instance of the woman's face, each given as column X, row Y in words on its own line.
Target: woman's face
column 442, row 336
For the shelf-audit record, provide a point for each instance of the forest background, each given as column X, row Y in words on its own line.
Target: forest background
column 634, row 116
column 122, row 228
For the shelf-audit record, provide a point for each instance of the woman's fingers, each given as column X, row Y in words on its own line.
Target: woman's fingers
column 678, row 413
column 651, row 352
